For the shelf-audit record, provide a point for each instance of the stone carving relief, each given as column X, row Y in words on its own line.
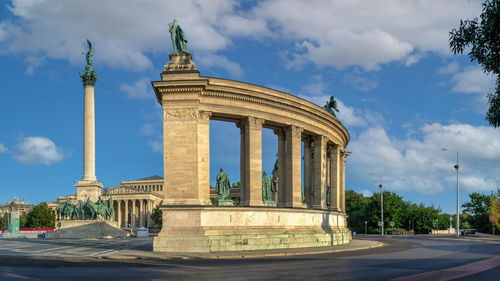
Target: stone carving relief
column 254, row 123
column 183, row 114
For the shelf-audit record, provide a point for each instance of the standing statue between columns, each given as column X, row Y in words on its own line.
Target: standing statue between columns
column 222, row 185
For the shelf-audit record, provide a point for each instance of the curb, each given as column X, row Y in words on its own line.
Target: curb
column 244, row 255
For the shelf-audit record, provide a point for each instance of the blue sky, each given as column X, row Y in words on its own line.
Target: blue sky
column 402, row 95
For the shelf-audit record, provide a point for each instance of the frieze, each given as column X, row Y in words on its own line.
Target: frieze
column 175, row 114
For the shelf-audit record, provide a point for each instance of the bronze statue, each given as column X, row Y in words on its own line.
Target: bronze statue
column 331, row 106
column 178, row 37
column 89, row 77
column 267, row 194
column 222, row 185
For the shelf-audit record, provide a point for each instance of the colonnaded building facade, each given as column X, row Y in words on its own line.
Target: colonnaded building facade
column 191, row 223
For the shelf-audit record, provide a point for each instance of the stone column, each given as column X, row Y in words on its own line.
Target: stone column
column 293, row 192
column 335, row 177
column 88, row 187
column 253, row 162
column 119, row 212
column 342, row 179
column 319, row 189
column 141, row 213
column 186, row 140
column 307, row 171
column 243, row 186
column 132, row 215
column 281, row 199
column 126, row 213
column 150, row 212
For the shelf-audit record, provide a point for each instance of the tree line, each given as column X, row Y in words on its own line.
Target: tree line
column 481, row 212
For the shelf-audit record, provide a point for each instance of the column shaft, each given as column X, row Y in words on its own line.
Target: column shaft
column 307, row 171
column 293, row 192
column 132, row 215
column 141, row 213
column 88, row 134
column 335, row 177
column 253, row 162
column 126, row 213
column 243, row 186
column 319, row 189
column 281, row 200
column 119, row 212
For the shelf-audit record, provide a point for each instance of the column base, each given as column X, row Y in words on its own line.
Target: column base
column 252, row 203
column 88, row 190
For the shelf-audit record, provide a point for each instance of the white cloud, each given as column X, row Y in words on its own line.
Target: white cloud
column 38, row 150
column 156, row 145
column 139, row 89
column 123, row 31
column 366, row 193
column 360, row 82
column 418, row 164
column 349, row 116
column 232, row 68
column 317, row 87
column 472, row 80
column 3, row 149
column 33, row 62
column 341, row 33
column 365, row 33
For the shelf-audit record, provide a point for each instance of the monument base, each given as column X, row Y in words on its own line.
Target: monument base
column 217, row 229
column 88, row 190
column 225, row 203
column 270, row 203
column 81, row 229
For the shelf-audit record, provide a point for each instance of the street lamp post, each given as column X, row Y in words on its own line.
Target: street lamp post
column 456, row 166
column 366, row 227
column 381, row 203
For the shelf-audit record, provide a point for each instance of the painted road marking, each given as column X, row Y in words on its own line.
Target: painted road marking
column 455, row 272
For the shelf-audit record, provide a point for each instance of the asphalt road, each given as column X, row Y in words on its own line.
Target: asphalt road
column 420, row 258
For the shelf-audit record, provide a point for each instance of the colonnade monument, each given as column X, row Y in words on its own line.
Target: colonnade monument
column 308, row 216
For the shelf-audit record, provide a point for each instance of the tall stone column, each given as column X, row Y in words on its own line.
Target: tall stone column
column 119, row 212
column 293, row 192
column 253, row 162
column 126, row 214
column 342, row 179
column 281, row 199
column 308, row 170
column 335, row 182
column 243, row 186
column 186, row 135
column 88, row 187
column 141, row 213
column 319, row 189
column 132, row 215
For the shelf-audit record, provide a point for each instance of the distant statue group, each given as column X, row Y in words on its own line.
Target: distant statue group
column 223, row 184
column 88, row 210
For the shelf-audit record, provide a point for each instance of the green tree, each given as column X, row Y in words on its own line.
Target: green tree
column 4, row 221
column 41, row 216
column 157, row 216
column 484, row 39
column 477, row 211
column 494, row 212
column 356, row 209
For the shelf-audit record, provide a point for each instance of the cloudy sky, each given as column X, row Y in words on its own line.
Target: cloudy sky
column 403, row 96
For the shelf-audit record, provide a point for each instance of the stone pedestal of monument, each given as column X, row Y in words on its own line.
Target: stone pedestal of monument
column 83, row 229
column 215, row 229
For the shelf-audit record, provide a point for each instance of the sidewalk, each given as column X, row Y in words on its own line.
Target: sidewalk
column 355, row 245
